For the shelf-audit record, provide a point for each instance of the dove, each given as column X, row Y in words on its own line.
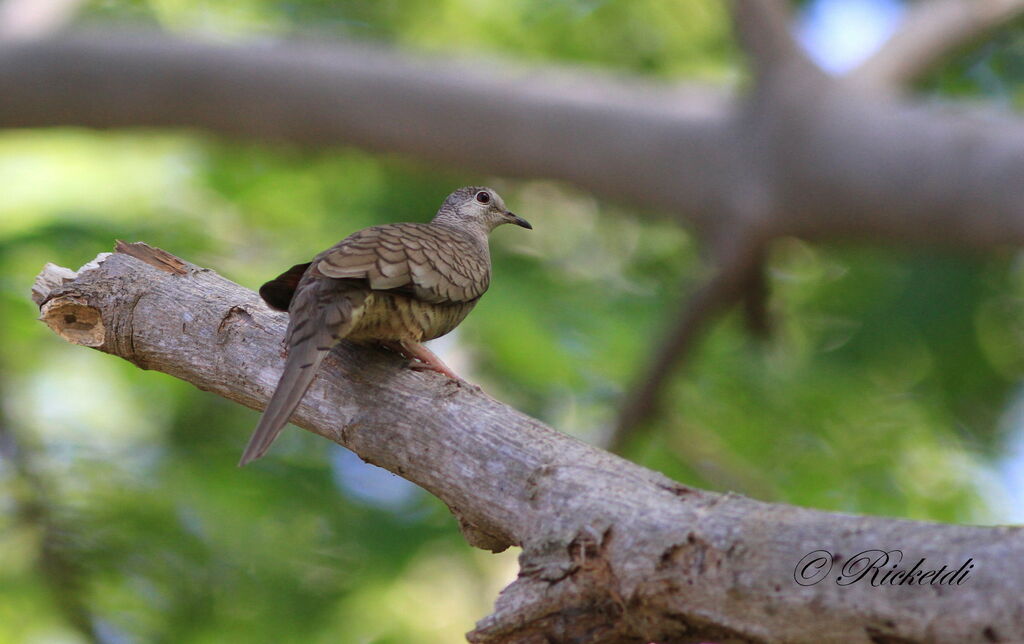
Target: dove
column 395, row 285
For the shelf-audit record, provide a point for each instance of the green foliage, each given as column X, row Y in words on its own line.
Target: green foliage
column 881, row 390
column 992, row 69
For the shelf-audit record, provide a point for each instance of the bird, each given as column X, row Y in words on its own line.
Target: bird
column 394, row 285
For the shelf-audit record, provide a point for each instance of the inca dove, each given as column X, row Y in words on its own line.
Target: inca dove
column 394, row 285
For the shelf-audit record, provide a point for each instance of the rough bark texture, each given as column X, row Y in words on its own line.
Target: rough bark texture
column 612, row 552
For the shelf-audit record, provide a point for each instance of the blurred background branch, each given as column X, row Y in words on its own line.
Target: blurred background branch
column 930, row 32
column 739, row 277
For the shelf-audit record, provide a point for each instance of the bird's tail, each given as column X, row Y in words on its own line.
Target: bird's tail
column 299, row 370
column 318, row 321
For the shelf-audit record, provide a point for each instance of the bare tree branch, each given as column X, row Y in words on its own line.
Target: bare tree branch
column 843, row 163
column 738, row 277
column 929, row 33
column 786, row 84
column 763, row 30
column 612, row 552
column 490, row 118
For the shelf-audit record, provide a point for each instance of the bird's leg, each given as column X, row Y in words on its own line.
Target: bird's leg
column 422, row 357
column 427, row 360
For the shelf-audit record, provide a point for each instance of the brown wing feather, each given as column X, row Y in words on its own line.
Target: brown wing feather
column 429, row 262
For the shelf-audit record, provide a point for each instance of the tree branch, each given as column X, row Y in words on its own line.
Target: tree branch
column 491, row 118
column 612, row 552
column 763, row 30
column 788, row 83
column 738, row 277
column 842, row 163
column 929, row 33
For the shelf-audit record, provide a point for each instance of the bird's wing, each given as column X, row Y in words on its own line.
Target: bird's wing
column 429, row 262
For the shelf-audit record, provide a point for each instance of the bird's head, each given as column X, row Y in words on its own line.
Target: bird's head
column 477, row 208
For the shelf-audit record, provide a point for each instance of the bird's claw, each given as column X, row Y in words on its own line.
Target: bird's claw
column 416, row 365
column 460, row 383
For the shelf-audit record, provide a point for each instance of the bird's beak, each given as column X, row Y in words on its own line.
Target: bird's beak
column 517, row 220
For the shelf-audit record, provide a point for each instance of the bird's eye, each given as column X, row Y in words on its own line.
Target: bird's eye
column 483, row 197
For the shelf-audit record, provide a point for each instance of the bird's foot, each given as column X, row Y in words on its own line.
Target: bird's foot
column 423, row 359
column 453, row 379
column 420, row 365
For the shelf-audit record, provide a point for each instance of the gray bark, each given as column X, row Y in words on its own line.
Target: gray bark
column 612, row 552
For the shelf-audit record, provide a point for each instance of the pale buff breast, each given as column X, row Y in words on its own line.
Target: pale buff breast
column 390, row 317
